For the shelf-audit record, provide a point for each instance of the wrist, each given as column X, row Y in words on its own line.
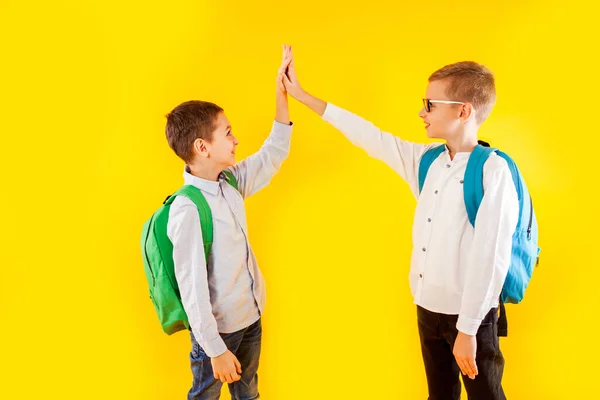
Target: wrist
column 219, row 356
column 283, row 121
column 302, row 96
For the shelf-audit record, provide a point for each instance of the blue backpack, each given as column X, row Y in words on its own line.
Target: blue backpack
column 525, row 250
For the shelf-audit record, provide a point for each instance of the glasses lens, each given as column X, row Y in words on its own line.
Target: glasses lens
column 427, row 105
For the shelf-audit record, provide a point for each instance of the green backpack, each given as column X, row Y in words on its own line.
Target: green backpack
column 157, row 253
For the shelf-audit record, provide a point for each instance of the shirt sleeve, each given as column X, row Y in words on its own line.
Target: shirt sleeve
column 490, row 255
column 256, row 171
column 191, row 274
column 401, row 155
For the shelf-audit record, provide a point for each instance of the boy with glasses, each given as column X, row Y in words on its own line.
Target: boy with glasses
column 457, row 270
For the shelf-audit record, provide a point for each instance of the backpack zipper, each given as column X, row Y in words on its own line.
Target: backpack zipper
column 530, row 218
column 146, row 253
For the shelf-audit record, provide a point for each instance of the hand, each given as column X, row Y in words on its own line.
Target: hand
column 285, row 62
column 465, row 348
column 290, row 80
column 226, row 367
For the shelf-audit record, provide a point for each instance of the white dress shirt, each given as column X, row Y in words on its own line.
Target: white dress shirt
column 455, row 269
column 229, row 293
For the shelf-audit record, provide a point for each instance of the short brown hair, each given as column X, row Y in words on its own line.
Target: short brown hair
column 190, row 121
column 470, row 82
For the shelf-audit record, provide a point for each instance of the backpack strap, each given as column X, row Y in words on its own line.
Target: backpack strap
column 426, row 160
column 195, row 195
column 473, row 181
column 230, row 178
column 473, row 192
column 502, row 320
column 514, row 171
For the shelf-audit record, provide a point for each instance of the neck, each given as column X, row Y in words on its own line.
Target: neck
column 464, row 143
column 207, row 172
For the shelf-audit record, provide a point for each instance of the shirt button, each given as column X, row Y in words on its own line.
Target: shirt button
column 447, row 165
column 424, row 249
column 436, row 192
column 420, row 275
column 428, row 219
column 462, row 181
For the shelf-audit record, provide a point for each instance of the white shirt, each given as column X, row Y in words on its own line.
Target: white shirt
column 229, row 294
column 455, row 269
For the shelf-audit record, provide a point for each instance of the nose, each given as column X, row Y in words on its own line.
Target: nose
column 422, row 113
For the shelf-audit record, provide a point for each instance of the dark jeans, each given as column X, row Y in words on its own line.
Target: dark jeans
column 438, row 333
column 245, row 344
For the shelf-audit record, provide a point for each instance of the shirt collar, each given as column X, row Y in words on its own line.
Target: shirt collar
column 462, row 154
column 205, row 185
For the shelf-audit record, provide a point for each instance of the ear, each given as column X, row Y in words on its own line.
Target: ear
column 466, row 112
column 201, row 148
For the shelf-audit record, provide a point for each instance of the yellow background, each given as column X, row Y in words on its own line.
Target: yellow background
column 84, row 90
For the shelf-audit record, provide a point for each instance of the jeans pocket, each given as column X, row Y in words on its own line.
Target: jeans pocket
column 197, row 352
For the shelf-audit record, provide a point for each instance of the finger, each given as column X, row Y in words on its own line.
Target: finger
column 216, row 376
column 286, row 81
column 286, row 51
column 462, row 366
column 229, row 378
column 284, row 66
column 235, row 377
column 287, row 59
column 292, row 71
column 466, row 367
column 280, row 83
column 285, row 63
column 238, row 366
column 223, row 378
column 472, row 367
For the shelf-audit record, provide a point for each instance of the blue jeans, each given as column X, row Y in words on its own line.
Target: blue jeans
column 245, row 344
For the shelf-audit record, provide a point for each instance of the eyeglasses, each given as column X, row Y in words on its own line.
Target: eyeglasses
column 427, row 103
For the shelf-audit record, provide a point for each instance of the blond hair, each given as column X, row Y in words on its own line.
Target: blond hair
column 470, row 82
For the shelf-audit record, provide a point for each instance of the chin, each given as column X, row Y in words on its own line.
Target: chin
column 231, row 162
column 432, row 135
